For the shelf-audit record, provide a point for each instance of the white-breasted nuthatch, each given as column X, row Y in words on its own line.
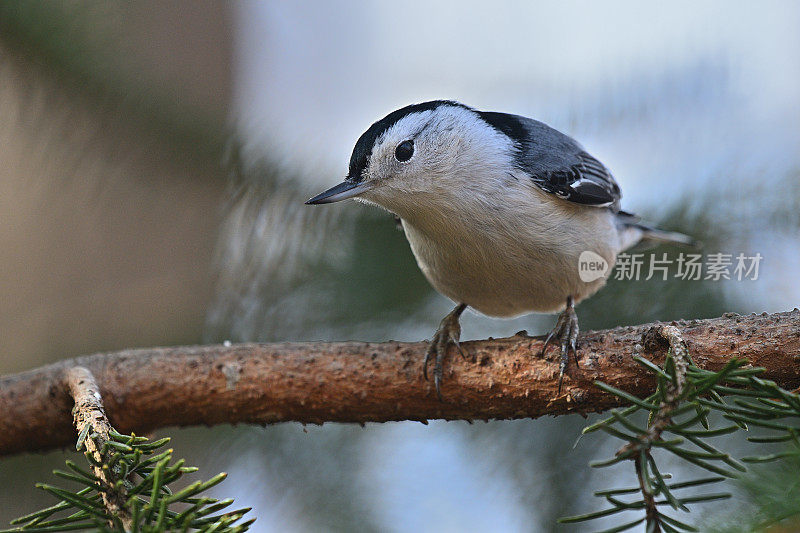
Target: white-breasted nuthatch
column 498, row 209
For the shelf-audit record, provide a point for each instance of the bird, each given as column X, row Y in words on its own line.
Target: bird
column 497, row 209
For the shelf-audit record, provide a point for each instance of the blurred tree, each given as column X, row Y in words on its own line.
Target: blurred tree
column 111, row 178
column 112, row 132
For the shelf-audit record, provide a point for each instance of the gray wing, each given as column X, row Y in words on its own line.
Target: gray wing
column 557, row 163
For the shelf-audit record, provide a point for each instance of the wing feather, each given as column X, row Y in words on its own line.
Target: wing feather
column 586, row 182
column 556, row 163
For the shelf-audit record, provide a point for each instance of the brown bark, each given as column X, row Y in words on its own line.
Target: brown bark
column 368, row 382
column 90, row 420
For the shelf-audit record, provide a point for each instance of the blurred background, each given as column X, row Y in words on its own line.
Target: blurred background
column 154, row 157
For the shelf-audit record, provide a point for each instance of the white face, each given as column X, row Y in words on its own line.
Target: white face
column 428, row 158
column 452, row 147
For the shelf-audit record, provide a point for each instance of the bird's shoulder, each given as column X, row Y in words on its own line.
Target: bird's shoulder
column 556, row 163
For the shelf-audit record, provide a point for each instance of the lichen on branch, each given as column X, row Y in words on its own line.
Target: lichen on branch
column 93, row 430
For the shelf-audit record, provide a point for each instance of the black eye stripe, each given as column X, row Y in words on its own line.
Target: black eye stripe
column 404, row 150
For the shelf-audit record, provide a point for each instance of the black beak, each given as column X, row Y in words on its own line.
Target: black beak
column 346, row 189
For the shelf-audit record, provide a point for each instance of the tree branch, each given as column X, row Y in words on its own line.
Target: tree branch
column 639, row 451
column 93, row 429
column 369, row 382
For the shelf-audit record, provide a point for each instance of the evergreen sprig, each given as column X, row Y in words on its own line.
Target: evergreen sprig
column 145, row 472
column 678, row 422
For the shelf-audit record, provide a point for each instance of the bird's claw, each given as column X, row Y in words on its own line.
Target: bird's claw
column 566, row 331
column 449, row 332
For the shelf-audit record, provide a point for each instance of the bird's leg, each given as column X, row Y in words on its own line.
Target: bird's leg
column 566, row 331
column 449, row 331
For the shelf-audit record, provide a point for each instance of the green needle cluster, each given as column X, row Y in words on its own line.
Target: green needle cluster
column 144, row 472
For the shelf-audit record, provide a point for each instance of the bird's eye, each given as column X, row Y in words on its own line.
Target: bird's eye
column 404, row 150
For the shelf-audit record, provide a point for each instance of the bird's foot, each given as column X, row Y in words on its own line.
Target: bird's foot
column 449, row 332
column 566, row 331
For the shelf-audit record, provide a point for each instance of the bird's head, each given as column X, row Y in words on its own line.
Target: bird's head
column 418, row 154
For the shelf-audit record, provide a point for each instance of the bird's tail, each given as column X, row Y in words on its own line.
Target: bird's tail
column 641, row 236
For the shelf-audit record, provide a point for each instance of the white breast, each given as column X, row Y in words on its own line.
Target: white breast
column 509, row 250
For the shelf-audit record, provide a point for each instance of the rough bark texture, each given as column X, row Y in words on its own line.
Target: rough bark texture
column 88, row 411
column 363, row 382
